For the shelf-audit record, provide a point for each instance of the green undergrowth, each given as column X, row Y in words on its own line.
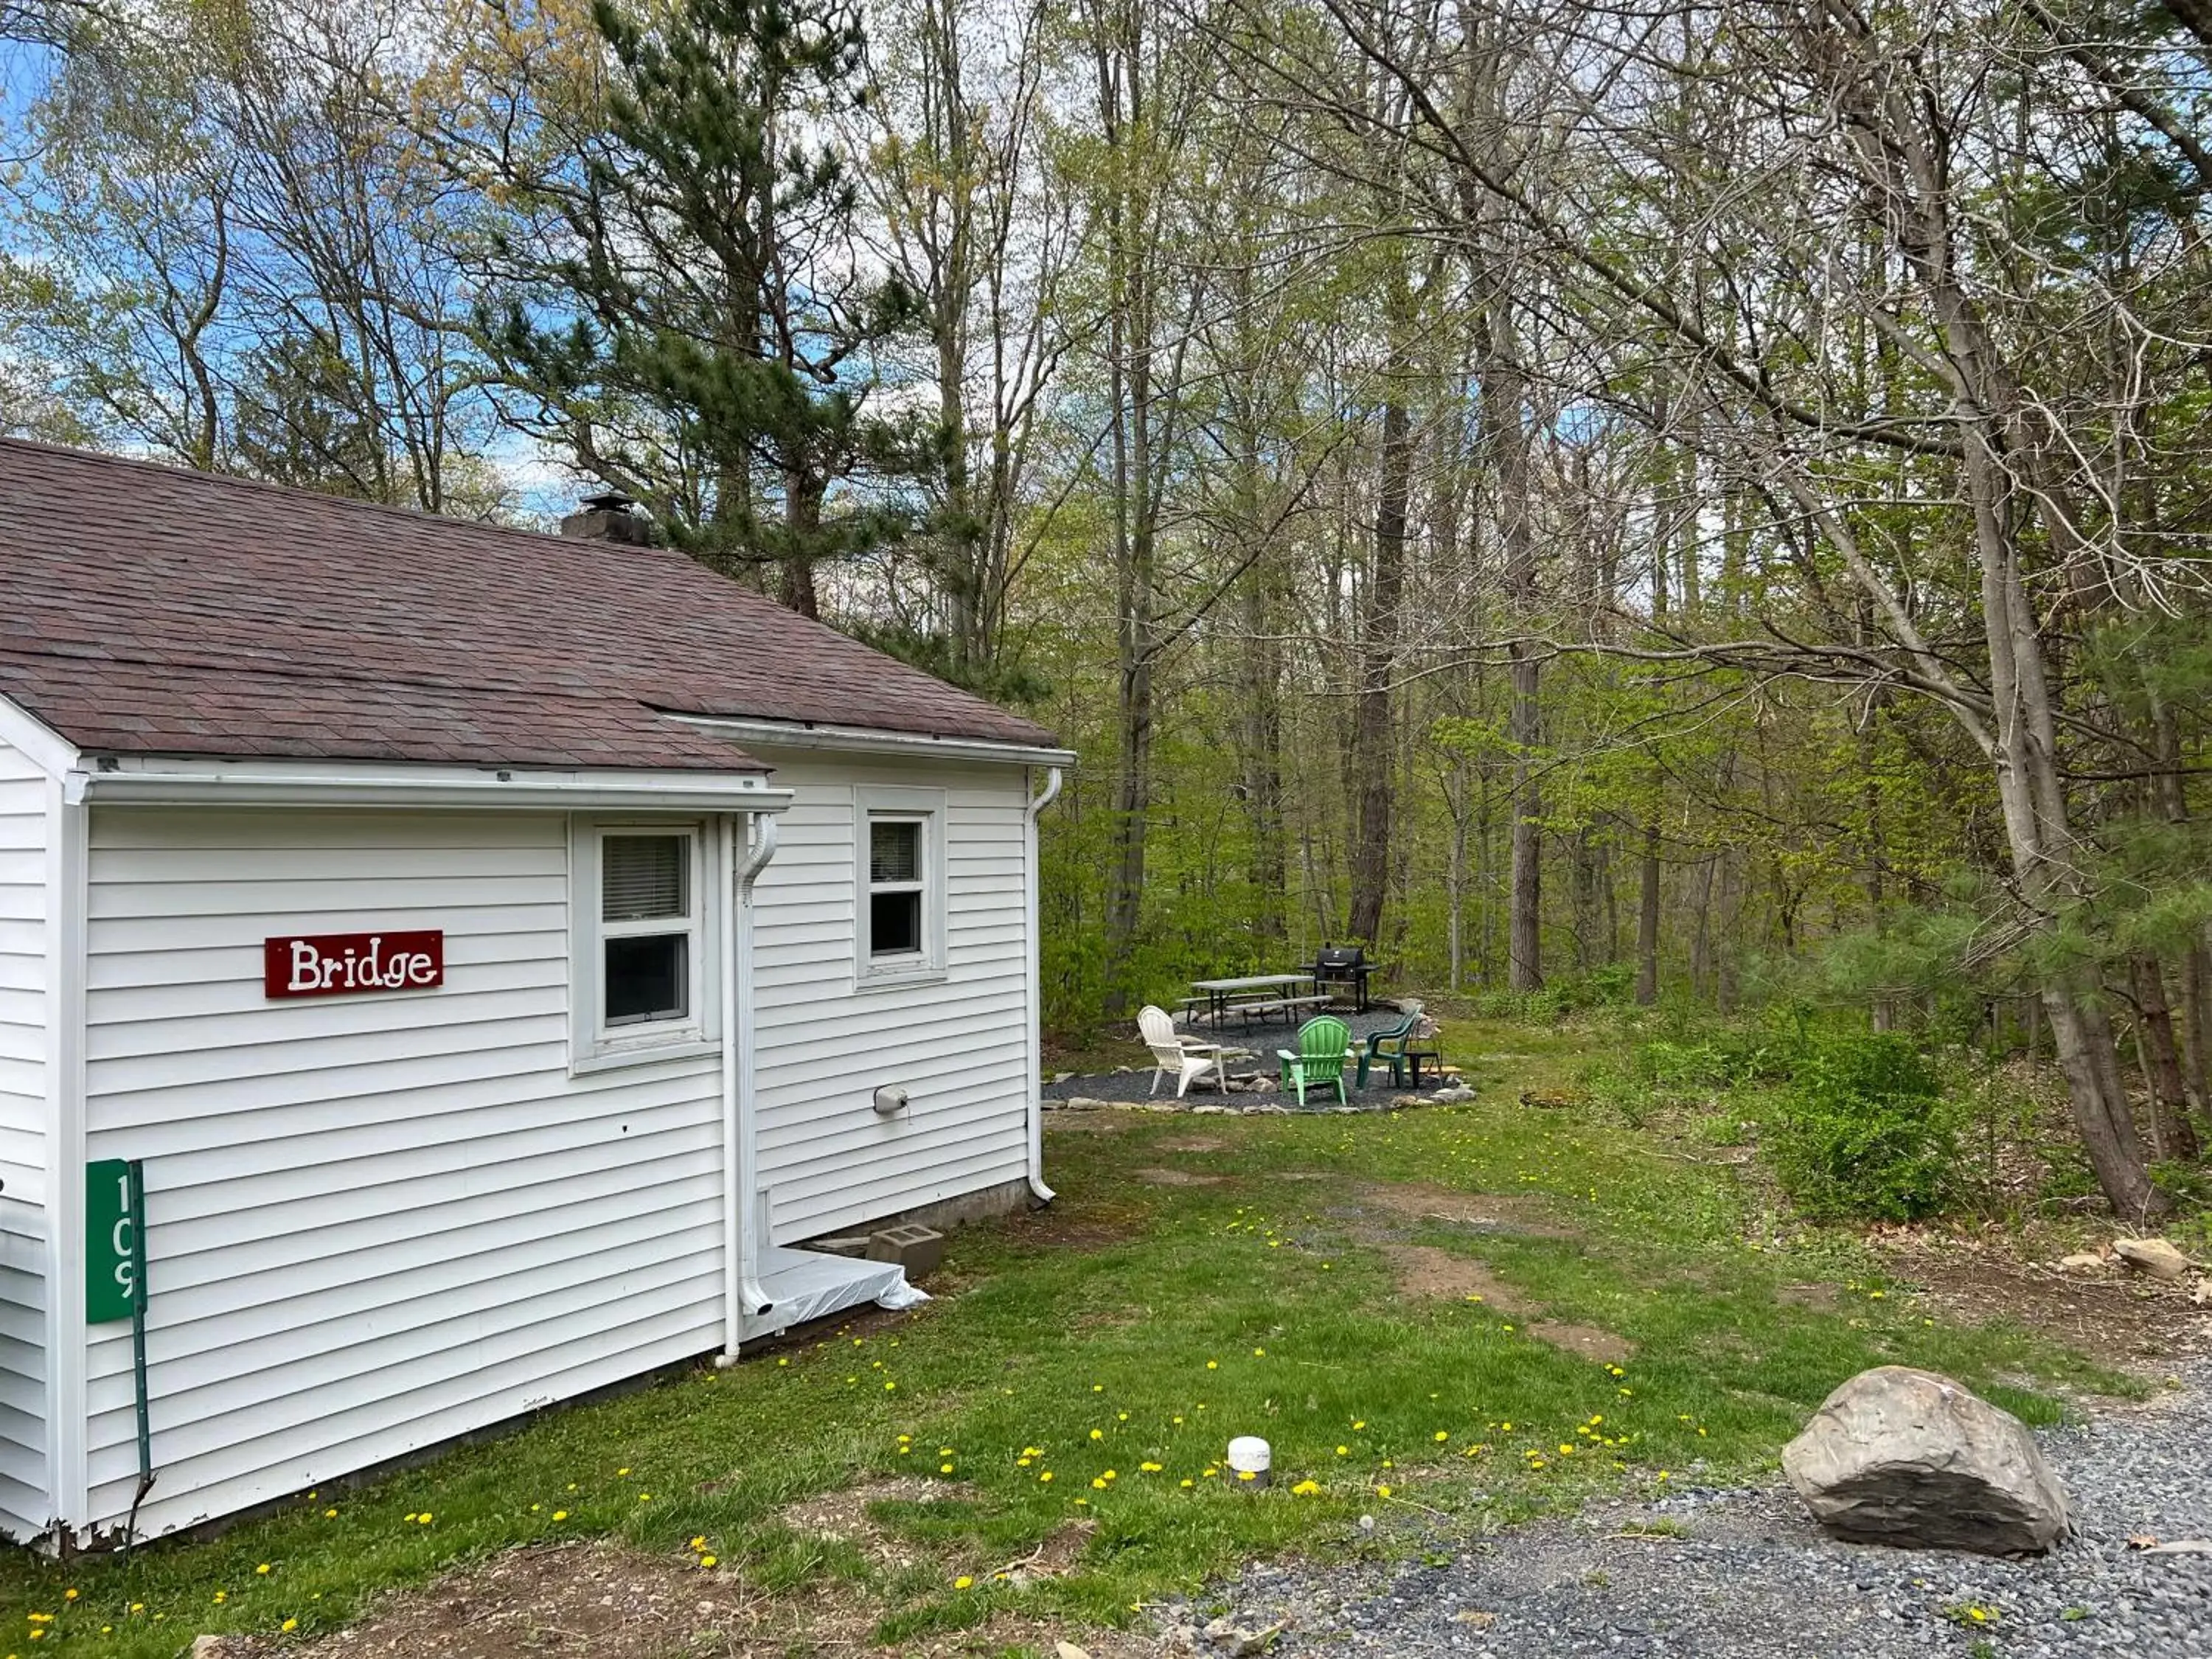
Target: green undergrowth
column 1089, row 1364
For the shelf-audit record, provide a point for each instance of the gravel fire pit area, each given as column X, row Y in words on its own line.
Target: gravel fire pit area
column 1253, row 1070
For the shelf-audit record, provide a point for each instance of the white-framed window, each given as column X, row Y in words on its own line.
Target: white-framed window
column 899, row 885
column 642, row 938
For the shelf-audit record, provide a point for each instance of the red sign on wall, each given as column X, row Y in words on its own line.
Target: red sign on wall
column 346, row 964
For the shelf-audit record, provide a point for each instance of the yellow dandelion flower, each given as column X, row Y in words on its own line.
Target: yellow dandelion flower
column 290, row 1625
column 329, row 1515
column 1046, row 1477
column 1382, row 1491
column 262, row 1570
column 962, row 1581
column 425, row 1517
column 1213, row 1365
column 1098, row 1434
column 708, row 1560
column 1306, row 1489
column 1247, row 1474
column 1443, row 1435
column 560, row 1515
column 945, row 1468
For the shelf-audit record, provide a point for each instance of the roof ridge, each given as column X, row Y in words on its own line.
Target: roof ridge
column 333, row 673
column 300, row 492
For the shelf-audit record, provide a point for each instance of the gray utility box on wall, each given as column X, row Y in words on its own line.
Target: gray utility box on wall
column 917, row 1250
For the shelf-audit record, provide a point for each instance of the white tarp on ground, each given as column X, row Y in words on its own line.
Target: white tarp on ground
column 806, row 1284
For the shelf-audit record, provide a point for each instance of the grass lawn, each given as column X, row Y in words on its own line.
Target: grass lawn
column 1090, row 1363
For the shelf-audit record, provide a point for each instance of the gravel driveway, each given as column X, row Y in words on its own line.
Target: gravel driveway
column 1752, row 1579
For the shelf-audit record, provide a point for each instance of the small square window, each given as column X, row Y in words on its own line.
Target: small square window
column 644, row 978
column 899, row 869
column 894, row 924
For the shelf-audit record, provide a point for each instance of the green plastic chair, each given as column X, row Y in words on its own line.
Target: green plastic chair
column 1389, row 1046
column 1320, row 1057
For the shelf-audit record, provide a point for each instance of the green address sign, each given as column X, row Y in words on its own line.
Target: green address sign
column 114, row 1239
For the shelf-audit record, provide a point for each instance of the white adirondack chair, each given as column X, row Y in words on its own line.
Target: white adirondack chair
column 1187, row 1057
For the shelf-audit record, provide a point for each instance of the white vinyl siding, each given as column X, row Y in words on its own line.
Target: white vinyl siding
column 956, row 1041
column 25, row 1009
column 374, row 1222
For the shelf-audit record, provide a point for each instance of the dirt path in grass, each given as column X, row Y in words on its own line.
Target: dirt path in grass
column 601, row 1601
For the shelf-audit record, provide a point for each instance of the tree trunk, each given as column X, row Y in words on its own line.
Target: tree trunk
column 2172, row 1137
column 1455, row 803
column 1504, row 400
column 1647, row 919
column 1373, row 751
column 1129, row 339
column 2197, row 1010
column 1701, row 933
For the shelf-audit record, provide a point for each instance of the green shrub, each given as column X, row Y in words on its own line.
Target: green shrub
column 1863, row 1131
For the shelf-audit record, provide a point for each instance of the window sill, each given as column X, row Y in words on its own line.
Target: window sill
column 646, row 1054
column 892, row 979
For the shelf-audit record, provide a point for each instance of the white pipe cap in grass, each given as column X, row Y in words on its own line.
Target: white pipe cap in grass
column 1249, row 1458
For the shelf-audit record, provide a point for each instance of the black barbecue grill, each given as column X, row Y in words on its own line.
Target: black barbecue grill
column 1344, row 966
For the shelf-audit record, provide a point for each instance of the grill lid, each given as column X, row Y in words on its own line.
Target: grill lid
column 1341, row 956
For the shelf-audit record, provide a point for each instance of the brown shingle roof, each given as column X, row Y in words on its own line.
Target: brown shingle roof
column 150, row 611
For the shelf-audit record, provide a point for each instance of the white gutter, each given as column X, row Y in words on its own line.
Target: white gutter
column 426, row 788
column 865, row 739
column 1030, row 880
column 741, row 1292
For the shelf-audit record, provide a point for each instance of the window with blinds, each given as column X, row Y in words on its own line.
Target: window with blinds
column 893, row 851
column 648, row 929
column 642, row 876
column 896, row 890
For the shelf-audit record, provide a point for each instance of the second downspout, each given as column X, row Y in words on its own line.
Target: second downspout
column 741, row 1293
column 1030, row 877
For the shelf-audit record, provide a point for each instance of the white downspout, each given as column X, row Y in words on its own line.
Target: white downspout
column 1036, row 1002
column 741, row 1287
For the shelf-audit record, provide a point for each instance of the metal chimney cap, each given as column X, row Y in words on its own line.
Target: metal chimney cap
column 607, row 501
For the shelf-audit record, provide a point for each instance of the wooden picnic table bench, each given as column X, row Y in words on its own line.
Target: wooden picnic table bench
column 1260, row 995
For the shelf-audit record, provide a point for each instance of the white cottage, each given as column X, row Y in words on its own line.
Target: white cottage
column 491, row 953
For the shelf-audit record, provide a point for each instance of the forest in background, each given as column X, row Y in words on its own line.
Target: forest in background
column 1602, row 503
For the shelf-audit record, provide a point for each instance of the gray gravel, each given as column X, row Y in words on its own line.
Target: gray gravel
column 1753, row 1579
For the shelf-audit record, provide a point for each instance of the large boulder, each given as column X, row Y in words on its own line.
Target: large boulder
column 1902, row 1456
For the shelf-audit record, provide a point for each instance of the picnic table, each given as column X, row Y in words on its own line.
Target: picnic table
column 1260, row 994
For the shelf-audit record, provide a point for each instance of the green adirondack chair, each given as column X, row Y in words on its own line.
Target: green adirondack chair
column 1320, row 1057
